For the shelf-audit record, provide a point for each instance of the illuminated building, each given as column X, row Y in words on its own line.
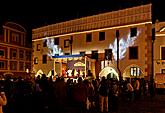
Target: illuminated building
column 95, row 35
column 159, row 55
column 15, row 54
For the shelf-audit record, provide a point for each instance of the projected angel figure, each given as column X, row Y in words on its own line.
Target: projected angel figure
column 124, row 43
column 53, row 49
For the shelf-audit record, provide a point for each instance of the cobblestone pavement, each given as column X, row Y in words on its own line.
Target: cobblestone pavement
column 145, row 104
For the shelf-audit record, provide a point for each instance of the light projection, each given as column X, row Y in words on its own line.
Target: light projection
column 124, row 43
column 53, row 49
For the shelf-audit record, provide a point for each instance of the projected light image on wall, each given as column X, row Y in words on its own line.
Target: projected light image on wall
column 124, row 43
column 53, row 49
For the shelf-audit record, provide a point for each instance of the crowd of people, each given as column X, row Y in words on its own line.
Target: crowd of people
column 43, row 95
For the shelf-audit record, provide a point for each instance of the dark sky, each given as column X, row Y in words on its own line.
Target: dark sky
column 31, row 14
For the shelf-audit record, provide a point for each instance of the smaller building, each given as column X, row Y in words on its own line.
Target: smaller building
column 15, row 54
column 159, row 55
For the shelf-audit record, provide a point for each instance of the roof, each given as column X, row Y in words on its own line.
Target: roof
column 15, row 26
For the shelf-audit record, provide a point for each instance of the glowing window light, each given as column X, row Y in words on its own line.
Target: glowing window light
column 124, row 43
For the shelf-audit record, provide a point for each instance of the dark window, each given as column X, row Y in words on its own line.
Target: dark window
column 163, row 53
column 133, row 52
column 36, row 60
column 56, row 41
column 38, row 47
column 88, row 37
column 1, row 53
column 67, row 53
column 94, row 55
column 108, row 54
column 45, row 43
column 82, row 53
column 101, row 36
column 44, row 61
column 133, row 31
column 14, row 54
column 21, row 54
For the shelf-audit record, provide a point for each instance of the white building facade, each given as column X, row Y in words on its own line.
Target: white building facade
column 94, row 35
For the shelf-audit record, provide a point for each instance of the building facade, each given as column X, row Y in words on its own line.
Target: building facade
column 119, row 41
column 159, row 55
column 15, row 55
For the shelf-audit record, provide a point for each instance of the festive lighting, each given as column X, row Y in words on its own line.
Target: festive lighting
column 53, row 49
column 124, row 43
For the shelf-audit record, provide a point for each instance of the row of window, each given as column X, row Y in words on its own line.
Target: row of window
column 13, row 54
column 67, row 42
column 13, row 65
column 133, row 54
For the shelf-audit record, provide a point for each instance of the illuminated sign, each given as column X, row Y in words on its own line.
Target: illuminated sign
column 124, row 43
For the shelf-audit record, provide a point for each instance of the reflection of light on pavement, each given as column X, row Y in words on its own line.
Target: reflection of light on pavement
column 124, row 43
column 53, row 49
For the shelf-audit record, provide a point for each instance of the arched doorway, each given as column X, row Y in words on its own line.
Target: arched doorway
column 109, row 72
column 133, row 71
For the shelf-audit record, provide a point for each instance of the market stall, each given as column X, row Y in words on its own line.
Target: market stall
column 74, row 66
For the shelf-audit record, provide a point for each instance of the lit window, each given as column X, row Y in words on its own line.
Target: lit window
column 135, row 71
column 36, row 60
column 38, row 47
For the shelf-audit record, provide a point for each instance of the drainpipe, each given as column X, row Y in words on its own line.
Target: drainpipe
column 152, row 54
column 70, row 42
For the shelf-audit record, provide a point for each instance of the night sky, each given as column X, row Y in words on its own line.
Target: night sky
column 31, row 14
